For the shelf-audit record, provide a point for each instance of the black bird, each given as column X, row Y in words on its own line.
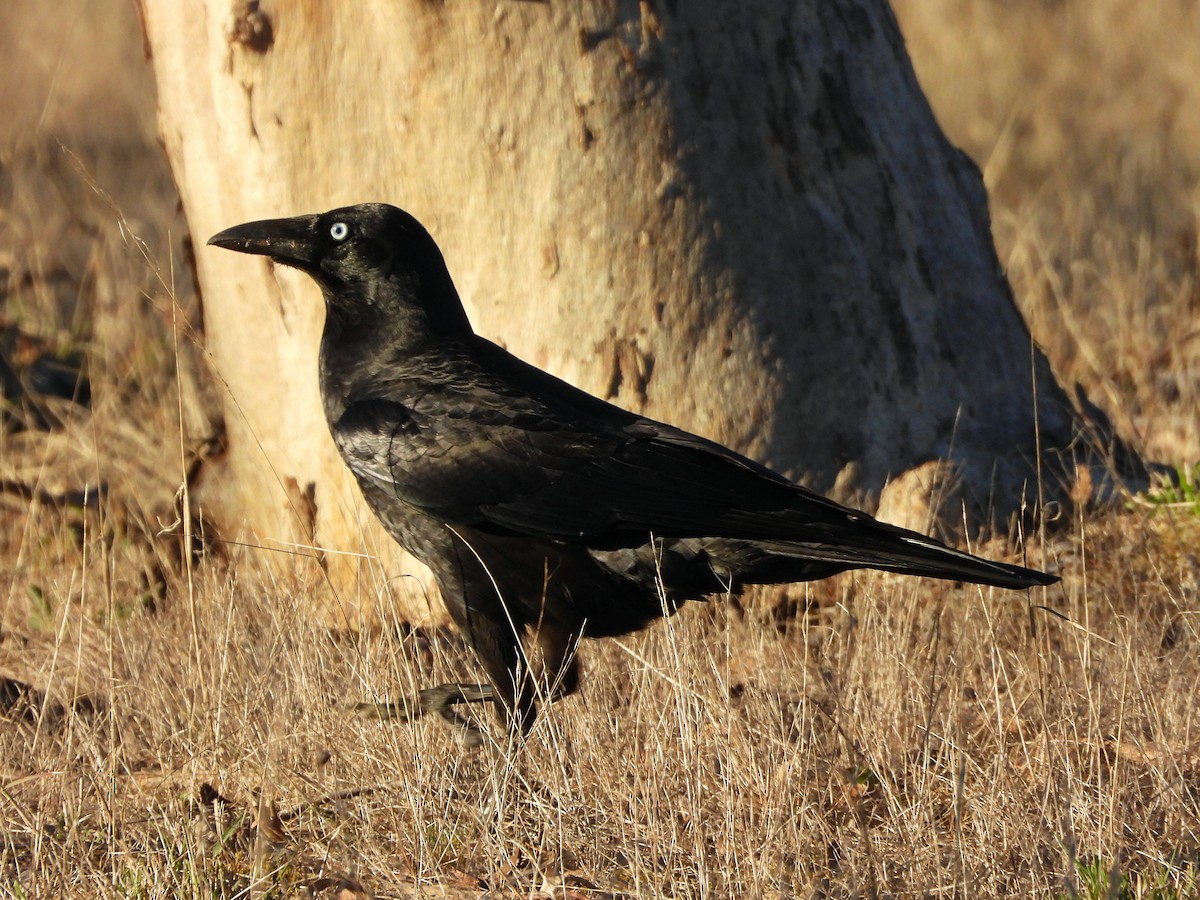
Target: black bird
column 538, row 507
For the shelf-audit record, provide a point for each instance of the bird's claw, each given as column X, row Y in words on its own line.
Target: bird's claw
column 441, row 699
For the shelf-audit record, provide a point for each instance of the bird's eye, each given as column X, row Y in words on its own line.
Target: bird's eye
column 339, row 231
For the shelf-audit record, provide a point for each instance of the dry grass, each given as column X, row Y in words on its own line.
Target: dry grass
column 180, row 727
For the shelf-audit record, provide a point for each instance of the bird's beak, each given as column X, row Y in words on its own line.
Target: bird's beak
column 288, row 241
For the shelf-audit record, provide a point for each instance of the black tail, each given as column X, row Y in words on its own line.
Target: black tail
column 877, row 545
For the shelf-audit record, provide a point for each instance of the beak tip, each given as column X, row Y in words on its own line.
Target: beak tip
column 222, row 239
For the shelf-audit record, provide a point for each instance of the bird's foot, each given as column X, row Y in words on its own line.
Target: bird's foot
column 442, row 700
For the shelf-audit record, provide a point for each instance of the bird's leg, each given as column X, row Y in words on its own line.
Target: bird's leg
column 559, row 666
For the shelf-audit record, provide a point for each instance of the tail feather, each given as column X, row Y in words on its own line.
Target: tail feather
column 893, row 549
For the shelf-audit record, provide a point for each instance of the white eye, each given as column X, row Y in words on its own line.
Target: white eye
column 339, row 231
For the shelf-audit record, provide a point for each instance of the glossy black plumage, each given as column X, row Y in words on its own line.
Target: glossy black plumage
column 533, row 502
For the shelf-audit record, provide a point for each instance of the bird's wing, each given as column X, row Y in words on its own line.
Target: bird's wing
column 487, row 441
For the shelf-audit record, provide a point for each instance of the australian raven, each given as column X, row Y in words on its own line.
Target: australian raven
column 538, row 507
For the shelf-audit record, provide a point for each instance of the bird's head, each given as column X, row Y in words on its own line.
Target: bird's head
column 369, row 258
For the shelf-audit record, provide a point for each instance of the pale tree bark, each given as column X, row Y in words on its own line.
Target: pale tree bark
column 741, row 218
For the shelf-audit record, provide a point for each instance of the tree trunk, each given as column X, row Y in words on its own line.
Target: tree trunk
column 740, row 218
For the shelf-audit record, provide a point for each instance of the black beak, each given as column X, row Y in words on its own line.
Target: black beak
column 292, row 242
